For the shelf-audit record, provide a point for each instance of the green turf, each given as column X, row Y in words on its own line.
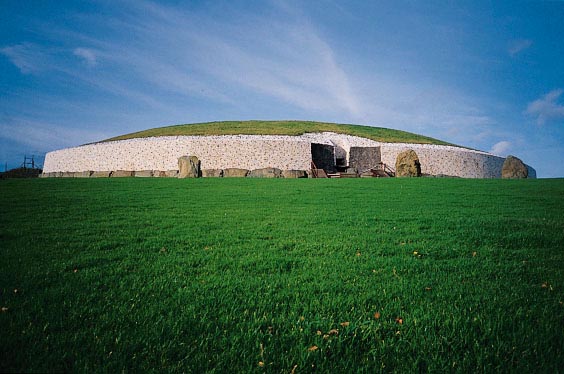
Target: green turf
column 250, row 275
column 283, row 128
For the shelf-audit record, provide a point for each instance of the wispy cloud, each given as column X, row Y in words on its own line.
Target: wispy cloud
column 501, row 148
column 87, row 55
column 280, row 55
column 295, row 66
column 27, row 57
column 518, row 45
column 546, row 108
column 45, row 136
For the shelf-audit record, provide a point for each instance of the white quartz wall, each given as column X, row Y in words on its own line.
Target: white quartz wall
column 162, row 153
column 255, row 152
column 445, row 160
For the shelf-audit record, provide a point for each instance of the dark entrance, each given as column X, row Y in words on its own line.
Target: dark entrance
column 323, row 156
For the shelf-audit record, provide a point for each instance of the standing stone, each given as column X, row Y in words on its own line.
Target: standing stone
column 407, row 164
column 514, row 168
column 189, row 167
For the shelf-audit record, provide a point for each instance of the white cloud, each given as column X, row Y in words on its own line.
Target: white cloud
column 546, row 108
column 88, row 55
column 518, row 45
column 27, row 57
column 501, row 148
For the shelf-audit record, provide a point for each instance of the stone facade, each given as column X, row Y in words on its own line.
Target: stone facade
column 250, row 152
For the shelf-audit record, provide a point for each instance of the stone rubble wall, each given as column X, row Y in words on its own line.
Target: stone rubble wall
column 256, row 152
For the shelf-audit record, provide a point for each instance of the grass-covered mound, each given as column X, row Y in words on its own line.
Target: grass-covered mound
column 270, row 275
column 282, row 128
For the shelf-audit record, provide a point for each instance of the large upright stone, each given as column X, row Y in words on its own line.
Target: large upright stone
column 189, row 167
column 407, row 164
column 514, row 168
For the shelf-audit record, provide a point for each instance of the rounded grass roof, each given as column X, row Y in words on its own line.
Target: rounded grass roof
column 282, row 128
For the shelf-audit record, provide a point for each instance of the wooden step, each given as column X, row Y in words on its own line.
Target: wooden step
column 348, row 175
column 380, row 174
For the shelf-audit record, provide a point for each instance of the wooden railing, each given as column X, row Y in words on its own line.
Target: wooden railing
column 391, row 172
column 314, row 173
column 381, row 167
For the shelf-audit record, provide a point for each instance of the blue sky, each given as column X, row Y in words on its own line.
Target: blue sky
column 487, row 75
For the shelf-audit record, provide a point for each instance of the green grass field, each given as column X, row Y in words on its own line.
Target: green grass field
column 282, row 128
column 259, row 275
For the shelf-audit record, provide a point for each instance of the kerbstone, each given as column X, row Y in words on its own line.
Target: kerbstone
column 294, row 174
column 100, row 174
column 235, row 173
column 144, row 173
column 121, row 174
column 265, row 173
column 212, row 173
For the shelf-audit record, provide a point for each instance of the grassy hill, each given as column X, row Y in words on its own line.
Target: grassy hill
column 282, row 128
